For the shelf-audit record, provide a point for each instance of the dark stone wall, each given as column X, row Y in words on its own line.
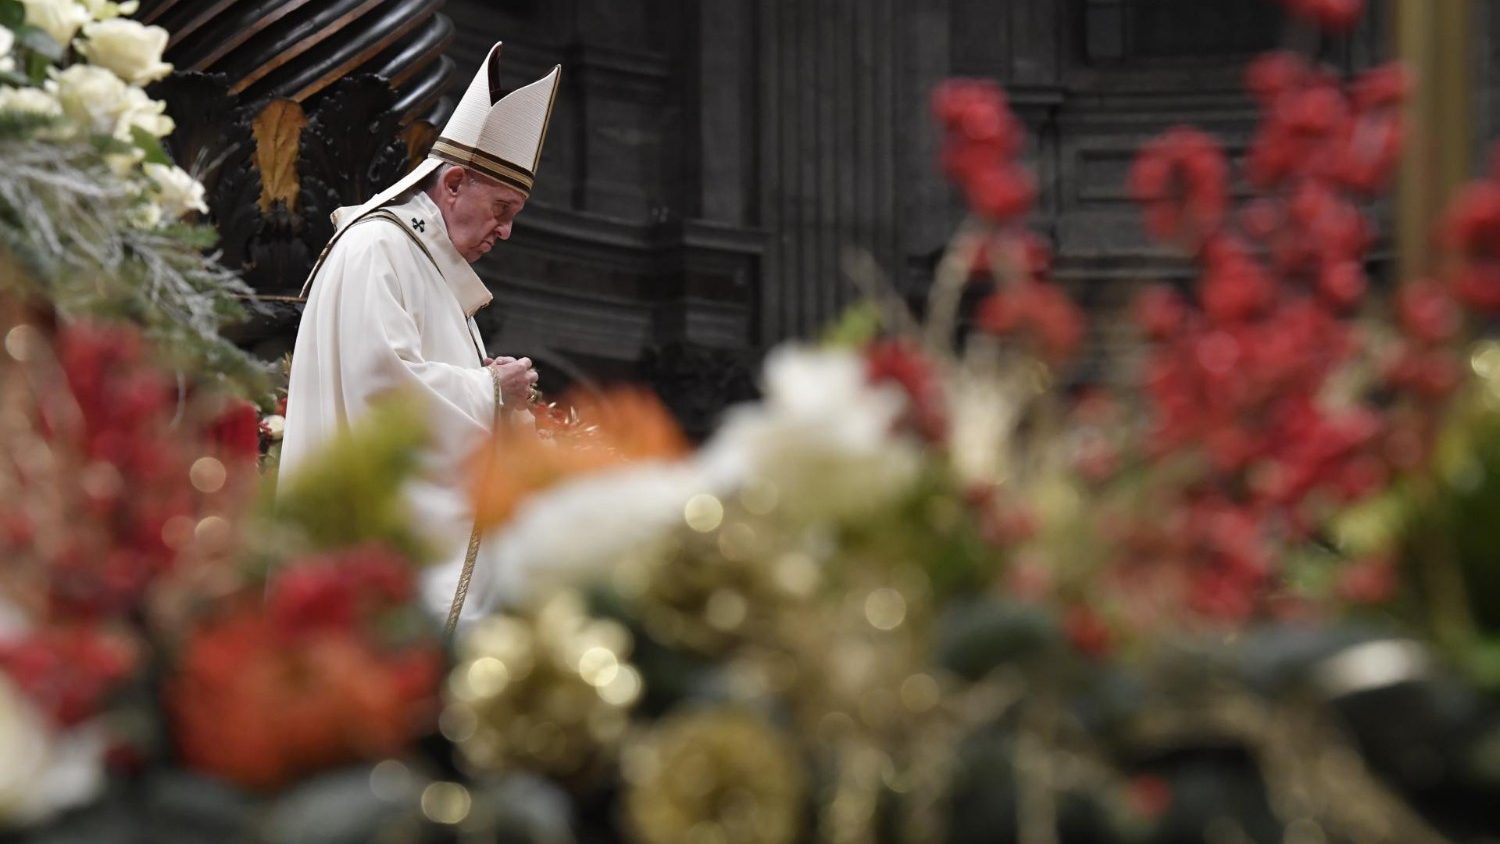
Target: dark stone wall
column 711, row 163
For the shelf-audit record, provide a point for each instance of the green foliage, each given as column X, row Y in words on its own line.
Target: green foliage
column 1451, row 546
column 38, row 42
column 151, row 145
column 73, row 223
column 858, row 325
column 931, row 528
column 351, row 491
column 12, row 13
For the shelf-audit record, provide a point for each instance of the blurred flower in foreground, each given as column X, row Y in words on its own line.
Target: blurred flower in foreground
column 1337, row 15
column 722, row 775
column 43, row 770
column 547, row 692
column 612, row 429
column 264, row 695
column 825, row 438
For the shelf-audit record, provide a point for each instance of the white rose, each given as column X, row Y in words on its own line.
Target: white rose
column 176, row 191
column 132, row 50
column 7, row 43
column 103, row 10
column 91, row 96
column 626, row 509
column 823, row 437
column 58, row 18
column 146, row 215
column 139, row 111
column 274, row 425
column 43, row 772
column 29, row 101
column 124, row 163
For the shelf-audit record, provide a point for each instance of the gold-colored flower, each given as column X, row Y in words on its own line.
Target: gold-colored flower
column 710, row 591
column 550, row 692
column 718, row 775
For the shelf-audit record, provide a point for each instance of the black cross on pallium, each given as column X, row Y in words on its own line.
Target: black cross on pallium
column 419, row 225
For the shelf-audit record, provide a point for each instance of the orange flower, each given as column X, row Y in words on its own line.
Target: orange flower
column 606, row 430
column 257, row 710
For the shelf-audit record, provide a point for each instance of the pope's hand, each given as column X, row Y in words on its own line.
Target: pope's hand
column 516, row 380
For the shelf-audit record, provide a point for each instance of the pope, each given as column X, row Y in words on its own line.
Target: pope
column 390, row 310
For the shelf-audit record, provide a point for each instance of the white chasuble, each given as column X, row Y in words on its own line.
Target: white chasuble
column 389, row 313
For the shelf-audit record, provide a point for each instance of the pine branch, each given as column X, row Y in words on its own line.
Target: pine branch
column 71, row 221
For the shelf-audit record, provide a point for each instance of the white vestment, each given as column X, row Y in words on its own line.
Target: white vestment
column 384, row 316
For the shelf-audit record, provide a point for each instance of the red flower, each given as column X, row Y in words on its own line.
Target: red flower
column 338, row 590
column 1342, row 284
column 1473, row 229
column 982, row 141
column 236, row 431
column 1087, row 632
column 1381, row 87
column 1150, row 796
column 1001, row 194
column 1275, row 73
column 247, row 707
column 893, row 361
column 1040, row 311
column 67, row 671
column 1371, row 581
column 1182, row 179
column 1159, row 312
column 1234, row 287
column 1334, row 15
column 1426, row 312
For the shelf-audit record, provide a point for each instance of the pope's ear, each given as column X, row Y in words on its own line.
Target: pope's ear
column 452, row 178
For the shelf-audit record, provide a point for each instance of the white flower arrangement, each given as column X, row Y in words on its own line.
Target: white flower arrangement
column 60, row 19
column 85, row 62
column 824, row 439
column 129, row 49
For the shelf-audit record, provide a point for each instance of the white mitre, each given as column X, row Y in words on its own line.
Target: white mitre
column 499, row 137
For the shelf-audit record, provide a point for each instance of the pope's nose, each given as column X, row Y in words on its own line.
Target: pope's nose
column 504, row 232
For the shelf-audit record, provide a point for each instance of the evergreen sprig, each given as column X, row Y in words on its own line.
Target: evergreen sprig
column 73, row 223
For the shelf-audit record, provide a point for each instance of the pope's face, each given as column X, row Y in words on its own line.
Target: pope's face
column 477, row 211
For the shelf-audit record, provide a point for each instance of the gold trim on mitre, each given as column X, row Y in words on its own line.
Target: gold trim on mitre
column 493, row 166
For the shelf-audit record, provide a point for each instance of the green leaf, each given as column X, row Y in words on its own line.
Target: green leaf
column 857, row 326
column 151, row 145
column 12, row 13
column 37, row 66
column 38, row 41
column 351, row 491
